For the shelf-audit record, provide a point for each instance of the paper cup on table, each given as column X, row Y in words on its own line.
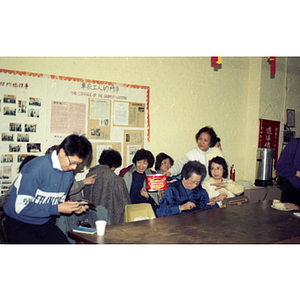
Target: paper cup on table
column 100, row 226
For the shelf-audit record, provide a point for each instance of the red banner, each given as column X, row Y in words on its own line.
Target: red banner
column 269, row 136
column 272, row 61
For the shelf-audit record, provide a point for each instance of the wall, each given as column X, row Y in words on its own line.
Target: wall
column 186, row 93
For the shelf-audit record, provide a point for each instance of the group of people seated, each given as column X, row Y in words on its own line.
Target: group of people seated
column 36, row 203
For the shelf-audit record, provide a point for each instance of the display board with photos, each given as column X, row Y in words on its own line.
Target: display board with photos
column 38, row 111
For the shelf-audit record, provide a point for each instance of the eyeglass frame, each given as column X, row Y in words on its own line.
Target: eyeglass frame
column 72, row 163
column 217, row 169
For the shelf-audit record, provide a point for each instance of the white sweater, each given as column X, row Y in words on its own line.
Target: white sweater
column 196, row 154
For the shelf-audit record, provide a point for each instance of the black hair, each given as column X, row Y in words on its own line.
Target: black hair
column 217, row 140
column 209, row 130
column 160, row 157
column 144, row 154
column 193, row 166
column 26, row 160
column 110, row 157
column 220, row 161
column 76, row 145
column 51, row 149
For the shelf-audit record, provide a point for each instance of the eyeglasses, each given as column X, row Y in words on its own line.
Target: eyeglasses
column 216, row 169
column 193, row 182
column 73, row 163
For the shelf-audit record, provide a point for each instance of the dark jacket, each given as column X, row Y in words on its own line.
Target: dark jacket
column 176, row 195
column 109, row 190
column 289, row 162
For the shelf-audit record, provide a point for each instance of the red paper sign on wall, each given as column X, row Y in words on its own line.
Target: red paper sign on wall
column 269, row 136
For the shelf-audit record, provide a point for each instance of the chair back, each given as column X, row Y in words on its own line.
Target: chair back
column 2, row 227
column 239, row 200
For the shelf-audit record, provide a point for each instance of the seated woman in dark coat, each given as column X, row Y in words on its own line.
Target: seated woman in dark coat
column 187, row 194
column 109, row 189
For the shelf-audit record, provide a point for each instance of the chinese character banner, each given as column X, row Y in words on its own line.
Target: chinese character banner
column 269, row 136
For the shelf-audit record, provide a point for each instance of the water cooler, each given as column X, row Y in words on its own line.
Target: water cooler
column 264, row 166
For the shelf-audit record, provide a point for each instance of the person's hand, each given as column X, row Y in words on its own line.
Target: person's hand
column 221, row 197
column 213, row 200
column 144, row 193
column 89, row 180
column 187, row 206
column 219, row 185
column 81, row 209
column 168, row 174
column 298, row 173
column 68, row 207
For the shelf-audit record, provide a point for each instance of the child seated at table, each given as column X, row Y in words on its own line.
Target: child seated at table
column 217, row 186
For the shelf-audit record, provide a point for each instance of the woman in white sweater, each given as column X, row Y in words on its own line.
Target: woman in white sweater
column 206, row 138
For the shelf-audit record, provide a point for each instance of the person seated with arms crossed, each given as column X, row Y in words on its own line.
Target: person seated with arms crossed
column 109, row 189
column 135, row 177
column 40, row 191
column 187, row 194
column 206, row 139
column 217, row 186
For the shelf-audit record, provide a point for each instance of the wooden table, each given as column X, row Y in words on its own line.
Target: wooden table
column 254, row 223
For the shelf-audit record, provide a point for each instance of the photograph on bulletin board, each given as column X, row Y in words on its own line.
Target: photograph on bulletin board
column 129, row 114
column 133, row 141
column 99, row 122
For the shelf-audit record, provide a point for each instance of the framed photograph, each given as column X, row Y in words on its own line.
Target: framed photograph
column 290, row 117
column 288, row 136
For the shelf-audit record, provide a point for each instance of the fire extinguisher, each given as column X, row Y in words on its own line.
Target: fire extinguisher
column 232, row 173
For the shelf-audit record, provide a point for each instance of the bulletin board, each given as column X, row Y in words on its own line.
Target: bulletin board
column 38, row 111
column 99, row 147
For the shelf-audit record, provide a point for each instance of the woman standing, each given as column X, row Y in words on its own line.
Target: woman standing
column 205, row 138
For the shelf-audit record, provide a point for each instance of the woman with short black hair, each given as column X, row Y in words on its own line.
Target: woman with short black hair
column 135, row 177
column 206, row 139
column 218, row 186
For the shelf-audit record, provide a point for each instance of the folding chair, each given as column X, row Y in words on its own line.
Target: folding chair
column 133, row 211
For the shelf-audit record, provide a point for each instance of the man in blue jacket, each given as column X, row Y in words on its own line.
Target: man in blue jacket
column 187, row 194
column 288, row 166
column 40, row 191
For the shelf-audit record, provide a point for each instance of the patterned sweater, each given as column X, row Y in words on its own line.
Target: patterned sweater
column 39, row 188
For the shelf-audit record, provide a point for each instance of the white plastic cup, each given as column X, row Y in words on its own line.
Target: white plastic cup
column 100, row 226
